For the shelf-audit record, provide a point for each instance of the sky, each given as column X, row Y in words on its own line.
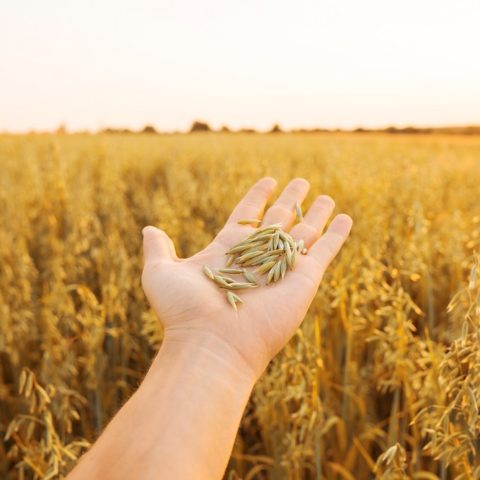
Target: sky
column 303, row 63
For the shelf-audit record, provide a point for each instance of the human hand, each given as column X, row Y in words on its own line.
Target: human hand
column 193, row 309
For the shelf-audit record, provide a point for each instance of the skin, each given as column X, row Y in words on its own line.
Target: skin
column 182, row 421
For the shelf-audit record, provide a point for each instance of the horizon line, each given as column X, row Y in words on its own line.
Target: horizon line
column 204, row 126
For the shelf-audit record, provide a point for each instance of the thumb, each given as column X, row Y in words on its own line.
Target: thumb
column 157, row 245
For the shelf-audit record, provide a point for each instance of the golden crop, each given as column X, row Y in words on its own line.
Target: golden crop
column 383, row 378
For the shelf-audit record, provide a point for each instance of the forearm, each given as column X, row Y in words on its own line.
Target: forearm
column 182, row 421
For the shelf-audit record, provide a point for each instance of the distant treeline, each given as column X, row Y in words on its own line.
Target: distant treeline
column 466, row 130
column 200, row 126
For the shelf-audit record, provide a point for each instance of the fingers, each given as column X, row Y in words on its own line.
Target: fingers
column 253, row 203
column 311, row 227
column 283, row 210
column 324, row 250
column 157, row 245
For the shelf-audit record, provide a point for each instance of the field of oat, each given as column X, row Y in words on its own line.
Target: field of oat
column 381, row 381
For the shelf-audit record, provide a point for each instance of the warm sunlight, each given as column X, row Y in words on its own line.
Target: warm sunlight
column 305, row 63
column 239, row 240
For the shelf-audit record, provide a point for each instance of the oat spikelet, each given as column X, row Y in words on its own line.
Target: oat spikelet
column 208, row 273
column 298, row 212
column 250, row 221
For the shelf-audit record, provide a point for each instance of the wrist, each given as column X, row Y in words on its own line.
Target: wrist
column 207, row 355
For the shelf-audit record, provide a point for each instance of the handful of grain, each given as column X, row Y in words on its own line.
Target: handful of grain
column 268, row 251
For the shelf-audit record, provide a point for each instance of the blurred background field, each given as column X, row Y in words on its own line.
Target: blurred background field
column 381, row 381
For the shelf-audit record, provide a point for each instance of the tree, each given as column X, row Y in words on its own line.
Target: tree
column 61, row 130
column 149, row 129
column 198, row 126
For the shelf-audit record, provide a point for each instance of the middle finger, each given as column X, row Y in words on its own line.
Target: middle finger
column 283, row 210
column 310, row 228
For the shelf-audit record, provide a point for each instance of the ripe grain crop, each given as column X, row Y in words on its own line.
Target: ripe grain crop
column 270, row 249
column 380, row 381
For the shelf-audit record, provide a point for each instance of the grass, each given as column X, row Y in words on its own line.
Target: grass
column 382, row 380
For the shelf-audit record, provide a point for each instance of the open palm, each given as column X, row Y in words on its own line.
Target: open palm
column 190, row 306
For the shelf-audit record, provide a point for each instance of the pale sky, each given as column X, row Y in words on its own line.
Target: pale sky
column 302, row 63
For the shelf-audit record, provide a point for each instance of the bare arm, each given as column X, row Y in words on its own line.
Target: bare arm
column 182, row 421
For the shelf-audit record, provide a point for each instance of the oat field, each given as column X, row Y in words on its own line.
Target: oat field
column 381, row 381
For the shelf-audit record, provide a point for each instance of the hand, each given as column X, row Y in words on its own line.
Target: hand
column 190, row 403
column 194, row 309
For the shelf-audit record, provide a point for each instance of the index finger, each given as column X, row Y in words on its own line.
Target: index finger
column 253, row 203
